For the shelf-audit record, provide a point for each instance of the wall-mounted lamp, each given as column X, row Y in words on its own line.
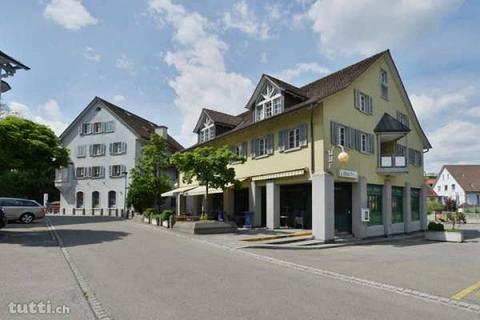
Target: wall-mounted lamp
column 342, row 156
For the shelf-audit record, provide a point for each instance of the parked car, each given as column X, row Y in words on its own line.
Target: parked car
column 22, row 209
column 3, row 218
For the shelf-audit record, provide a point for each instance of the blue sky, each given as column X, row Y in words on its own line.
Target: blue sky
column 166, row 59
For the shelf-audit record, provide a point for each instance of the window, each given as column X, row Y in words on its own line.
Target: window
column 259, row 113
column 384, row 83
column 293, row 138
column 262, row 146
column 397, row 204
column 240, row 149
column 80, row 172
column 415, row 204
column 117, row 170
column 445, row 188
column 363, row 142
column 81, row 151
column 269, row 103
column 207, row 133
column 97, row 127
column 97, row 150
column 268, row 109
column 415, row 157
column 108, row 126
column 453, row 187
column 85, row 129
column 341, row 136
column 403, row 118
column 27, row 203
column 95, row 199
column 277, row 105
column 118, row 148
column 112, row 199
column 439, row 188
column 97, row 172
column 79, row 199
column 374, row 202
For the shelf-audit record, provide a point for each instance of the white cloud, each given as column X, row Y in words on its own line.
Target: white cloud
column 454, row 143
column 71, row 14
column 367, row 26
column 124, row 63
column 437, row 101
column 48, row 114
column 473, row 111
column 302, row 68
column 244, row 19
column 202, row 79
column 119, row 98
column 90, row 54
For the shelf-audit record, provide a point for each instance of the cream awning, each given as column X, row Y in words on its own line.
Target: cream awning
column 174, row 192
column 201, row 191
column 284, row 174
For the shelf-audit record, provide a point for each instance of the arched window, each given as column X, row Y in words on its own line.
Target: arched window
column 79, row 199
column 95, row 199
column 112, row 199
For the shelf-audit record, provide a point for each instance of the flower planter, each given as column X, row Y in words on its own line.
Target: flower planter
column 165, row 223
column 146, row 220
column 154, row 222
column 448, row 236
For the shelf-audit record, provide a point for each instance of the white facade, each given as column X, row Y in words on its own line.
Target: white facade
column 96, row 178
column 447, row 187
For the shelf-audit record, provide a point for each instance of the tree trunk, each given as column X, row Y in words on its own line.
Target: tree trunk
column 205, row 208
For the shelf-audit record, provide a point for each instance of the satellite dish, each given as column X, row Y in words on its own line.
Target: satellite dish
column 4, row 86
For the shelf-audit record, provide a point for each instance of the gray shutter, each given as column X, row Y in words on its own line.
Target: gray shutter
column 348, row 137
column 104, row 147
column 333, row 133
column 282, row 140
column 90, row 147
column 358, row 140
column 109, row 171
column 244, row 149
column 124, row 147
column 110, row 148
column 355, row 99
column 370, row 105
column 253, row 148
column 303, row 135
column 371, row 143
column 270, row 143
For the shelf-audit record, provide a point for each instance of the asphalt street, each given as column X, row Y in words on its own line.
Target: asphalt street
column 139, row 272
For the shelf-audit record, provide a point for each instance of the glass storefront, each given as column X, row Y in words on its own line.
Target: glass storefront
column 397, row 204
column 374, row 199
column 415, row 198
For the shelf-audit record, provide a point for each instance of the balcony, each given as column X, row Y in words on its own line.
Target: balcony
column 392, row 164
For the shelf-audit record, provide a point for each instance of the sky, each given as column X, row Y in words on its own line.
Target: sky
column 167, row 59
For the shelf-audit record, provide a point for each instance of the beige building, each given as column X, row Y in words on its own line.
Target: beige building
column 292, row 136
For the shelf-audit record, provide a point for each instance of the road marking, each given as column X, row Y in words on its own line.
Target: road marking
column 95, row 305
column 465, row 292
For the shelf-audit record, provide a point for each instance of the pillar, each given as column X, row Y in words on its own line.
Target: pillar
column 359, row 201
column 387, row 207
column 323, row 206
column 407, row 207
column 229, row 202
column 255, row 203
column 181, row 204
column 423, row 208
column 273, row 205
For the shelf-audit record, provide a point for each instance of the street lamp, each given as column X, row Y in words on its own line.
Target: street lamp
column 342, row 156
column 125, row 175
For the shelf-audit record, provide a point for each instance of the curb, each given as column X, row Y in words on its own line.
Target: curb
column 96, row 306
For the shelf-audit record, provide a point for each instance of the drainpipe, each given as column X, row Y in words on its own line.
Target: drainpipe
column 312, row 141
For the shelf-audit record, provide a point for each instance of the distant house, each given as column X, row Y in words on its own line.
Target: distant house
column 459, row 182
column 104, row 143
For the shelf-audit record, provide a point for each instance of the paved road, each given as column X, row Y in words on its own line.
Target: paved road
column 138, row 272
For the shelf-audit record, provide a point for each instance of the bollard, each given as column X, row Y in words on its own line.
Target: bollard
column 84, row 211
column 63, row 211
column 101, row 212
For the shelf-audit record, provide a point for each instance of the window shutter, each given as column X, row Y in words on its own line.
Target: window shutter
column 253, row 148
column 303, row 135
column 102, row 172
column 109, row 171
column 370, row 105
column 124, row 169
column 244, row 149
column 282, row 140
column 110, row 148
column 124, row 147
column 90, row 147
column 355, row 99
column 333, row 133
column 358, row 140
column 89, row 128
column 348, row 140
column 103, row 149
column 270, row 143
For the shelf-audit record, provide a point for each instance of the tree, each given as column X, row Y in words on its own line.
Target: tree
column 209, row 166
column 149, row 179
column 29, row 154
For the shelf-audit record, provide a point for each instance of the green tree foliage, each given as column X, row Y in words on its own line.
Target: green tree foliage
column 209, row 166
column 434, row 206
column 149, row 180
column 29, row 154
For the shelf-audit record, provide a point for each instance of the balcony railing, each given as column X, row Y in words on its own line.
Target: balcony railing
column 390, row 164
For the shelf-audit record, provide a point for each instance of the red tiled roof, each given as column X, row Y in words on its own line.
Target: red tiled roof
column 467, row 175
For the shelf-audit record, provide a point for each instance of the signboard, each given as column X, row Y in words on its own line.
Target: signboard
column 349, row 174
column 45, row 199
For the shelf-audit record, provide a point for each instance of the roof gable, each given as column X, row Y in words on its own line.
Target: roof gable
column 466, row 175
column 389, row 124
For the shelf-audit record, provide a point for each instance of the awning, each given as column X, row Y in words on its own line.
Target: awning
column 201, row 191
column 284, row 174
column 174, row 192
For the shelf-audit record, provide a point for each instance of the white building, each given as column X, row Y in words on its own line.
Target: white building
column 459, row 182
column 104, row 142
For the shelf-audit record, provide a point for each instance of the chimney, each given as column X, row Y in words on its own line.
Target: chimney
column 162, row 131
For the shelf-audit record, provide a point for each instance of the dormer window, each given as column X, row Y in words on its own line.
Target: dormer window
column 207, row 133
column 384, row 83
column 269, row 102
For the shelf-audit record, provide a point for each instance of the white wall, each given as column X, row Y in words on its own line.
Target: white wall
column 446, row 179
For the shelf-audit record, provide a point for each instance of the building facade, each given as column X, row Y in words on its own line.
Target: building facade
column 460, row 183
column 291, row 137
column 104, row 143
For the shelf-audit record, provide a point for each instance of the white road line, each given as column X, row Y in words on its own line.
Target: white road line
column 333, row 275
column 95, row 305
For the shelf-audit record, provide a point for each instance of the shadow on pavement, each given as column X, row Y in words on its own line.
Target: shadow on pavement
column 72, row 220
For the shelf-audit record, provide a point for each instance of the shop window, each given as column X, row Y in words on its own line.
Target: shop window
column 374, row 201
column 397, row 205
column 415, row 199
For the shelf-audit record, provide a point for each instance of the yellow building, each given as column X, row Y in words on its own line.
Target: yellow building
column 292, row 136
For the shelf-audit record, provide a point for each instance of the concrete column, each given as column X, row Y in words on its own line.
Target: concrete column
column 179, row 204
column 359, row 201
column 229, row 202
column 255, row 203
column 423, row 208
column 323, row 206
column 407, row 207
column 273, row 205
column 387, row 207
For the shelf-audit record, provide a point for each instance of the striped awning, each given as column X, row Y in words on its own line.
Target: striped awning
column 174, row 192
column 277, row 175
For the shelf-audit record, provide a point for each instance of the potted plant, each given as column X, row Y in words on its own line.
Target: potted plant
column 437, row 232
column 148, row 214
column 165, row 217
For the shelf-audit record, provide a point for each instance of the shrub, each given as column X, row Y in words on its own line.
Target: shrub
column 149, row 213
column 435, row 226
column 461, row 217
column 166, row 214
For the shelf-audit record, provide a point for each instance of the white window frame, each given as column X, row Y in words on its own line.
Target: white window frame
column 268, row 109
column 262, row 142
column 108, row 126
column 362, row 101
column 120, row 150
column 100, row 172
column 82, row 170
column 86, row 128
column 293, row 138
column 206, row 132
column 259, row 112
column 82, row 151
column 342, row 133
column 114, row 167
column 99, row 126
column 101, row 150
column 272, row 104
